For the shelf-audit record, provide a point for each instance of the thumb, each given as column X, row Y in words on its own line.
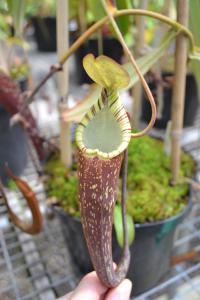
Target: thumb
column 89, row 288
column 121, row 292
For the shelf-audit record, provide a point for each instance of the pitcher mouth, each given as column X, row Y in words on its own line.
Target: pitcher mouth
column 105, row 130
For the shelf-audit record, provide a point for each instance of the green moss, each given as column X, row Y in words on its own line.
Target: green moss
column 150, row 196
column 62, row 184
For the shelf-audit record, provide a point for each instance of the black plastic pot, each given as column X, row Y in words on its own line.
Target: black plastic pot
column 150, row 252
column 111, row 48
column 45, row 33
column 191, row 103
column 13, row 146
column 23, row 84
column 73, row 233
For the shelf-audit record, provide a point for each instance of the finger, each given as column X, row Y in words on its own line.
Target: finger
column 121, row 292
column 89, row 288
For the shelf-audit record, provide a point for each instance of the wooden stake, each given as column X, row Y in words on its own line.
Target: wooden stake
column 62, row 46
column 82, row 16
column 137, row 89
column 178, row 96
column 161, row 64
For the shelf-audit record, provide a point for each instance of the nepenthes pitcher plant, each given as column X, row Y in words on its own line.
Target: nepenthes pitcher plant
column 102, row 137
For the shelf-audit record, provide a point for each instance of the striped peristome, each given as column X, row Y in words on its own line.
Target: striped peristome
column 111, row 99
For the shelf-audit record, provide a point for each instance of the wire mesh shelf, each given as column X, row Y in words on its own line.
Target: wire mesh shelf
column 33, row 267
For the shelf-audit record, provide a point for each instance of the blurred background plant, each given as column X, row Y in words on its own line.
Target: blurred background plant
column 40, row 8
column 14, row 79
column 194, row 18
column 13, row 57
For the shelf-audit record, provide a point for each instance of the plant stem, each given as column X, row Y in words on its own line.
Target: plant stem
column 178, row 96
column 162, row 62
column 123, row 198
column 82, row 16
column 125, row 12
column 141, row 77
column 27, row 100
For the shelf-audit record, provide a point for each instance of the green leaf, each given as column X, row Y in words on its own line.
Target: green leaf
column 95, row 11
column 105, row 71
column 17, row 11
column 12, row 185
column 119, row 228
column 194, row 13
column 125, row 22
column 145, row 63
column 195, row 56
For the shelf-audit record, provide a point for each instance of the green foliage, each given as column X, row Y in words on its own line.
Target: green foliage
column 17, row 11
column 95, row 12
column 194, row 17
column 12, row 185
column 19, row 71
column 119, row 228
column 105, row 71
column 62, row 184
column 124, row 23
column 40, row 8
column 4, row 27
column 150, row 196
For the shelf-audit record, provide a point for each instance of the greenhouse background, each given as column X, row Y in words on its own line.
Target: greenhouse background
column 46, row 89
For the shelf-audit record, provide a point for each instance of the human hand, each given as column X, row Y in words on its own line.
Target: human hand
column 90, row 288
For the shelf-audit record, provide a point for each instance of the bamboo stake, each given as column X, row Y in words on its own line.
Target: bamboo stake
column 179, row 90
column 82, row 16
column 137, row 89
column 62, row 46
column 161, row 63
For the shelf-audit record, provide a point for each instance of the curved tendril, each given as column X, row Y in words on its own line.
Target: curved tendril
column 126, row 12
column 150, row 124
column 137, row 70
column 37, row 220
